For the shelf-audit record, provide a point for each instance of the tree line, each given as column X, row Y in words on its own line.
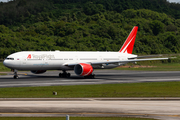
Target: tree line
column 92, row 25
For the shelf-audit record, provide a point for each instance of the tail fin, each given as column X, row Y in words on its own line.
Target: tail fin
column 129, row 43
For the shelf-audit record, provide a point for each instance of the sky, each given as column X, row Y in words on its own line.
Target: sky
column 168, row 0
column 174, row 1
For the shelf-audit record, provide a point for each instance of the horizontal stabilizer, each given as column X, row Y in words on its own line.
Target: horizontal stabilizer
column 147, row 56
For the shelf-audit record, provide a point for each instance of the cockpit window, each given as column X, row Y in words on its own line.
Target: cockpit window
column 9, row 58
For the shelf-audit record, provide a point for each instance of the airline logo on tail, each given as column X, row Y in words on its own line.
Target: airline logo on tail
column 129, row 43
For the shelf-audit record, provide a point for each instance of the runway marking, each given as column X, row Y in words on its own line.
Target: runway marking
column 103, row 113
column 18, row 73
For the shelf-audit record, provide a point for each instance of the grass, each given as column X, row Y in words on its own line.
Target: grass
column 155, row 67
column 3, row 74
column 155, row 89
column 71, row 118
column 3, row 68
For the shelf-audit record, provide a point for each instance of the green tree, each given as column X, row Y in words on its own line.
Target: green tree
column 157, row 27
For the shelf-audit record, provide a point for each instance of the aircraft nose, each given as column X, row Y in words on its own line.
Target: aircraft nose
column 5, row 63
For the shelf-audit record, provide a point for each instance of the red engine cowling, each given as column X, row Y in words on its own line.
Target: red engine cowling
column 83, row 69
column 38, row 71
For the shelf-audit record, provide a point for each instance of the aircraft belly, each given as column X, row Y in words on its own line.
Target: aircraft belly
column 105, row 66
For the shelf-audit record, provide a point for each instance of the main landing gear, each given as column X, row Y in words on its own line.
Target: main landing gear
column 67, row 75
column 92, row 76
column 15, row 74
column 64, row 74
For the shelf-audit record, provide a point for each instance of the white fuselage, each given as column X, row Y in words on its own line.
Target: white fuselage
column 56, row 60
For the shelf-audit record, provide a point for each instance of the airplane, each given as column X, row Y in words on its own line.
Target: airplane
column 83, row 63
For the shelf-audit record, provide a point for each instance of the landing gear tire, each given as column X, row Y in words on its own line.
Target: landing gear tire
column 64, row 74
column 16, row 77
column 68, row 75
column 92, row 76
column 60, row 74
column 15, row 74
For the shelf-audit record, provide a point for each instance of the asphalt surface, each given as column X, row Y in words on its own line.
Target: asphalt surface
column 158, row 108
column 51, row 78
column 91, row 107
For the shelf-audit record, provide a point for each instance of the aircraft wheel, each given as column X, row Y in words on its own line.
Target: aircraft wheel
column 16, row 77
column 64, row 75
column 60, row 74
column 92, row 76
column 68, row 75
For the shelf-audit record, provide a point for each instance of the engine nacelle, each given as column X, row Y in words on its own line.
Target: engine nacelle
column 38, row 71
column 83, row 69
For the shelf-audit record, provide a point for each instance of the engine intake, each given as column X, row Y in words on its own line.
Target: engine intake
column 83, row 69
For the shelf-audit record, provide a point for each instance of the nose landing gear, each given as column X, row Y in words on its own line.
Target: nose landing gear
column 15, row 74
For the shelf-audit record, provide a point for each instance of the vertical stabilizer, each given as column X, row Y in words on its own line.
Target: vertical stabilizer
column 129, row 43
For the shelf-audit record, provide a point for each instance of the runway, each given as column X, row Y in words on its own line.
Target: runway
column 50, row 78
column 91, row 107
column 158, row 108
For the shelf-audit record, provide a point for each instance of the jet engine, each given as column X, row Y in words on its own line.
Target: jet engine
column 83, row 69
column 38, row 71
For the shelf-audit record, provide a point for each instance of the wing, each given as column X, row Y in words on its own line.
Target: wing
column 114, row 62
column 128, row 61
